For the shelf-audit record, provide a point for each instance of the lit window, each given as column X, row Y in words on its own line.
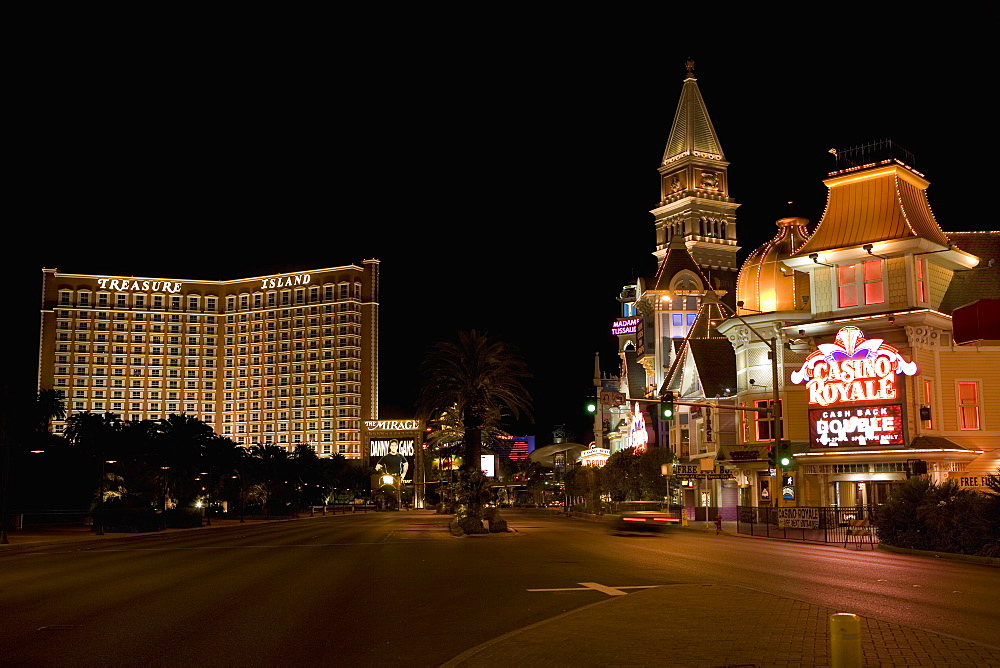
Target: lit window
column 929, row 424
column 847, row 285
column 874, row 286
column 921, row 280
column 968, row 405
column 850, row 276
column 763, row 422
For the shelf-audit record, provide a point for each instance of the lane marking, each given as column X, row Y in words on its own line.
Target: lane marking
column 595, row 586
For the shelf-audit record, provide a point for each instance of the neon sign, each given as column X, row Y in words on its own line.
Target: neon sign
column 625, row 326
column 284, row 281
column 638, row 436
column 852, row 369
column 172, row 287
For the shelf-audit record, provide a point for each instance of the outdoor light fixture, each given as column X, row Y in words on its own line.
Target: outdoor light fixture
column 815, row 258
column 868, row 249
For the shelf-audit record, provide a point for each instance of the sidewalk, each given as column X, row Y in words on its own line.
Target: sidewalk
column 712, row 626
column 46, row 535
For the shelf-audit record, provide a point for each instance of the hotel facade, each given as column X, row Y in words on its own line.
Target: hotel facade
column 282, row 359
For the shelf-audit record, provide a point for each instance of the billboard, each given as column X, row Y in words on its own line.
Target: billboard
column 393, row 456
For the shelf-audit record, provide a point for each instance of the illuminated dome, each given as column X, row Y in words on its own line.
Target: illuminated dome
column 765, row 284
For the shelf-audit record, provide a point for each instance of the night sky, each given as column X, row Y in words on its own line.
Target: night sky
column 505, row 186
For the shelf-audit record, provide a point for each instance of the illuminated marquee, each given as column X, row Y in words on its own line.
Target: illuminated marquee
column 851, row 370
column 857, row 425
column 595, row 456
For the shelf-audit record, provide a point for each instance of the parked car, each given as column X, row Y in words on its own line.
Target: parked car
column 644, row 517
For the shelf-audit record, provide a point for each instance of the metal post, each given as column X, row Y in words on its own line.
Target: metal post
column 845, row 640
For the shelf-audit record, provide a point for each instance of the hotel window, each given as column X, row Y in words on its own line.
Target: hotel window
column 968, row 405
column 84, row 299
column 868, row 276
column 120, row 301
column 921, row 280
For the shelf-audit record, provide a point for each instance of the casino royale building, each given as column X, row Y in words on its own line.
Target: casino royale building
column 874, row 330
column 284, row 359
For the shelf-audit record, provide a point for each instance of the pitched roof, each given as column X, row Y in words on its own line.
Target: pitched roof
column 711, row 353
column 677, row 259
column 879, row 203
column 635, row 375
column 692, row 131
column 982, row 282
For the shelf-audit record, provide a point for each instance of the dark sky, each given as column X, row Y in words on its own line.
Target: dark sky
column 505, row 185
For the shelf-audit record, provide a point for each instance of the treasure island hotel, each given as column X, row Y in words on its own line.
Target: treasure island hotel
column 283, row 359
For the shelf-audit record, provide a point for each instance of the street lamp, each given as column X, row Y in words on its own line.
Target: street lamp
column 777, row 432
column 100, row 501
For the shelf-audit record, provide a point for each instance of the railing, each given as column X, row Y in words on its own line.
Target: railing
column 333, row 509
column 834, row 524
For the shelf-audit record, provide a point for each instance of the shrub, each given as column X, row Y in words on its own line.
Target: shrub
column 499, row 525
column 127, row 520
column 182, row 518
column 922, row 515
column 471, row 525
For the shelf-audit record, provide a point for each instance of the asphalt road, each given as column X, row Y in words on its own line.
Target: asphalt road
column 397, row 588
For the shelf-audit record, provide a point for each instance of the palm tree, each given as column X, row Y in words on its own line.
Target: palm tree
column 49, row 405
column 477, row 379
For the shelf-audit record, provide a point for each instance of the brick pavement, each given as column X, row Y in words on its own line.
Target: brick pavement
column 712, row 626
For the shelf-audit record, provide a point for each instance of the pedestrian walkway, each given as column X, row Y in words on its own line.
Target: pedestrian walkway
column 712, row 626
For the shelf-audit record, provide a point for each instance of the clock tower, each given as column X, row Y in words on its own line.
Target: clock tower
column 694, row 193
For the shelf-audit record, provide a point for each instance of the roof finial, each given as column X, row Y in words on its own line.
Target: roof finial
column 690, row 67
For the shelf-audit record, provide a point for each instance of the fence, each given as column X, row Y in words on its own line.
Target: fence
column 836, row 524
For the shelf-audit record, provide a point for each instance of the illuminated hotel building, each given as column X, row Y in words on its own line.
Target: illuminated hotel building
column 283, row 359
column 875, row 380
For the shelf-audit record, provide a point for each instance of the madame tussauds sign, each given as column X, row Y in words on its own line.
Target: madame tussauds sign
column 851, row 370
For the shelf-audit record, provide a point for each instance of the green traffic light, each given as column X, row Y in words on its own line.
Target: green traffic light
column 591, row 408
column 668, row 413
column 785, row 461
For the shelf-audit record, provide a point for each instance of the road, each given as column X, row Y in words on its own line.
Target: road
column 389, row 588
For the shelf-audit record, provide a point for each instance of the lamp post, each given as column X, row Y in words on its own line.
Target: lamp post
column 164, row 475
column 208, row 498
column 100, row 501
column 777, row 432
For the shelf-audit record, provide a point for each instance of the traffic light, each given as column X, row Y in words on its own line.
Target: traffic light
column 771, row 457
column 785, row 455
column 667, row 406
column 591, row 406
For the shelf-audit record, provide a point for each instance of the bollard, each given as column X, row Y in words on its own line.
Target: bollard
column 845, row 640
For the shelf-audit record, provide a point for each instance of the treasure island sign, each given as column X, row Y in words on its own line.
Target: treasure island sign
column 853, row 381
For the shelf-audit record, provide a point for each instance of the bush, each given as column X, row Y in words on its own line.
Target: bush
column 921, row 515
column 471, row 525
column 127, row 520
column 499, row 525
column 182, row 518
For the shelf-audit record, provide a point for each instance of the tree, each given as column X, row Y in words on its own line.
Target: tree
column 49, row 405
column 477, row 379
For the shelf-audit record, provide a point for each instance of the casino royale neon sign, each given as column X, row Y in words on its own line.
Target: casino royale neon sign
column 852, row 369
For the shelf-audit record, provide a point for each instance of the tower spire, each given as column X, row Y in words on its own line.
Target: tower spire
column 694, row 193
